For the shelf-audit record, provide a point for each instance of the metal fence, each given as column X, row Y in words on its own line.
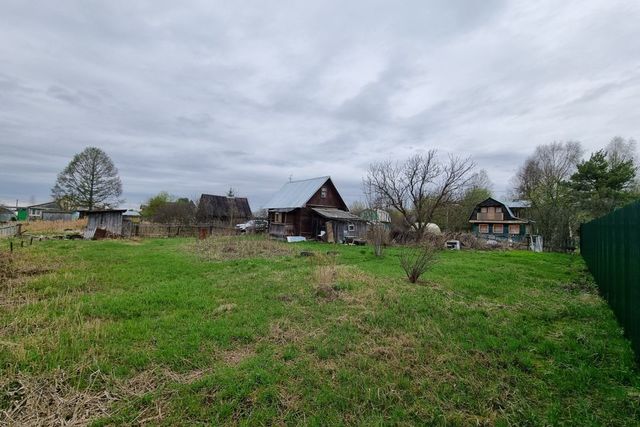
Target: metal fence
column 610, row 245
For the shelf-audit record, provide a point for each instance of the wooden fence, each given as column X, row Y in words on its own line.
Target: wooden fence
column 10, row 230
column 610, row 245
column 174, row 230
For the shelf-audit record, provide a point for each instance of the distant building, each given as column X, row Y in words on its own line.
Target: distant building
column 131, row 215
column 377, row 216
column 6, row 214
column 496, row 220
column 224, row 210
column 53, row 215
column 34, row 212
column 313, row 208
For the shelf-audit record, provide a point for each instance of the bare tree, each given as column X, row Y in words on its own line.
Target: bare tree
column 418, row 186
column 542, row 180
column 90, row 180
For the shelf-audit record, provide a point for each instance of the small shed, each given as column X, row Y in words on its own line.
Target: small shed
column 104, row 223
column 223, row 209
column 341, row 226
column 131, row 215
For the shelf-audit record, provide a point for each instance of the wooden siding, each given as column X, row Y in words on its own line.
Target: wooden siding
column 111, row 222
column 332, row 198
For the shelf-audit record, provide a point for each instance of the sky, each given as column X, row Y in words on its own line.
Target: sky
column 196, row 97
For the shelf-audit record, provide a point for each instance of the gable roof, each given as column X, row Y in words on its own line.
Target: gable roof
column 295, row 194
column 48, row 205
column 212, row 206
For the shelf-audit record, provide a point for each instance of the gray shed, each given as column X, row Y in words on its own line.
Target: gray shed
column 341, row 226
column 104, row 223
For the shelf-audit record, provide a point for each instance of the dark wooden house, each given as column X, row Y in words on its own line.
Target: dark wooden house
column 104, row 223
column 223, row 210
column 496, row 220
column 313, row 208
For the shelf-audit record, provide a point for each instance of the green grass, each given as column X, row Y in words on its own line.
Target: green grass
column 494, row 338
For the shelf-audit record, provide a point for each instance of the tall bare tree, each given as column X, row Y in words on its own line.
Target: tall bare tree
column 417, row 186
column 542, row 180
column 90, row 180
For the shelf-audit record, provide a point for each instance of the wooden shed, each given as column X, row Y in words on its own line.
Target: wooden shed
column 104, row 223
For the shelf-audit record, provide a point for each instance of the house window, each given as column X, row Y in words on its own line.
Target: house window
column 483, row 228
column 351, row 227
column 514, row 228
column 498, row 229
column 323, row 193
column 483, row 210
column 498, row 210
column 278, row 217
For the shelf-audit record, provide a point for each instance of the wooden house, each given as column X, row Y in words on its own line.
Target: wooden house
column 223, row 210
column 492, row 219
column 104, row 223
column 313, row 208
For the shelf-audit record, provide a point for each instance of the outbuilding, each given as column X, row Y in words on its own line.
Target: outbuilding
column 104, row 223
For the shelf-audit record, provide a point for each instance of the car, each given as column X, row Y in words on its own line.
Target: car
column 253, row 226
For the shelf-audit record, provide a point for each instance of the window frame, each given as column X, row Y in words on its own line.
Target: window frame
column 323, row 192
column 483, row 226
column 501, row 228
column 513, row 226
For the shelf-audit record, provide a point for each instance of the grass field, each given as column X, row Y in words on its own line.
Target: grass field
column 172, row 332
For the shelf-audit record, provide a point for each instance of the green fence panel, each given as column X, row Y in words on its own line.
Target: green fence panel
column 610, row 246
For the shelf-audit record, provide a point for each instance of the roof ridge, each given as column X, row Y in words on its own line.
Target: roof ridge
column 309, row 179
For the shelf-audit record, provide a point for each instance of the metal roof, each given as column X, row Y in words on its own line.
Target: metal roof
column 295, row 194
column 518, row 203
column 333, row 213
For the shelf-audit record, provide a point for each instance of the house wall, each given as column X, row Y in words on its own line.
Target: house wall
column 475, row 229
column 57, row 216
column 332, row 198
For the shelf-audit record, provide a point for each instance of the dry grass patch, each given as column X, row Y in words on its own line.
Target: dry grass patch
column 224, row 248
column 58, row 400
column 53, row 227
column 236, row 355
column 16, row 269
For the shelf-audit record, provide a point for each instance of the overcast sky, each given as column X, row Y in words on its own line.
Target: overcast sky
column 193, row 97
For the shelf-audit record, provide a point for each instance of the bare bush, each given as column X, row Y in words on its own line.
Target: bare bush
column 416, row 260
column 379, row 237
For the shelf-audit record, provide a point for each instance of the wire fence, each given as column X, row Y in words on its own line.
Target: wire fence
column 610, row 246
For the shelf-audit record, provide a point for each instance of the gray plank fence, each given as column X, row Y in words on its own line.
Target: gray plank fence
column 610, row 246
column 10, row 230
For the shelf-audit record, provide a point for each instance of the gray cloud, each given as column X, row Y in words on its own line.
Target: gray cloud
column 199, row 97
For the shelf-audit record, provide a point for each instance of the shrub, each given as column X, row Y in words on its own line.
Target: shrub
column 415, row 260
column 379, row 237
